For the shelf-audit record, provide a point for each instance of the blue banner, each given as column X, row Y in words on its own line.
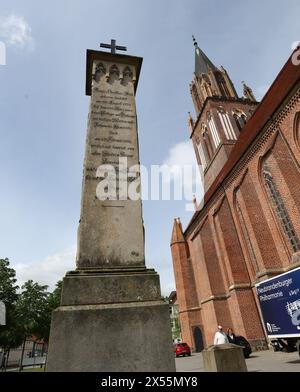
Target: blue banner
column 279, row 300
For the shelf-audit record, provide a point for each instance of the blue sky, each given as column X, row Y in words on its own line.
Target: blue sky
column 43, row 107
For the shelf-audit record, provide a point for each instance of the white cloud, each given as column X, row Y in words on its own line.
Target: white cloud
column 182, row 154
column 185, row 171
column 15, row 31
column 49, row 270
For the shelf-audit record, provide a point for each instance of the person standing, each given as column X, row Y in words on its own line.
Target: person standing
column 220, row 336
column 231, row 336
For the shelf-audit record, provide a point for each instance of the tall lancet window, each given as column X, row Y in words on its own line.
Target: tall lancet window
column 240, row 119
column 247, row 236
column 280, row 210
column 196, row 97
column 213, row 130
column 226, row 124
column 202, row 155
column 222, row 85
column 207, row 141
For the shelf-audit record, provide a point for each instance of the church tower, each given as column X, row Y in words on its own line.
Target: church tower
column 220, row 115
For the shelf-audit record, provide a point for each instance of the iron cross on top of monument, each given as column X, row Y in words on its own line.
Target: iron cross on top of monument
column 112, row 46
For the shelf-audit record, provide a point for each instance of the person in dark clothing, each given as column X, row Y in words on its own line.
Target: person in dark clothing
column 231, row 336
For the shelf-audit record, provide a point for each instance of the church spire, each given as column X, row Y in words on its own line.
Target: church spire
column 220, row 117
column 202, row 63
column 209, row 81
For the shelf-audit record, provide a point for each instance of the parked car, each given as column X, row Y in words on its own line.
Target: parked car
column 182, row 349
column 241, row 341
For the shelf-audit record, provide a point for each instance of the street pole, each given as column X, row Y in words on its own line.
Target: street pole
column 22, row 355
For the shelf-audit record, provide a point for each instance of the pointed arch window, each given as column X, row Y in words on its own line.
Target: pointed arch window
column 207, row 141
column 202, row 155
column 206, row 86
column 213, row 130
column 226, row 124
column 280, row 209
column 196, row 97
column 206, row 89
column 247, row 236
column 222, row 85
column 240, row 119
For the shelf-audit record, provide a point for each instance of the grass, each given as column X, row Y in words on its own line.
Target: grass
column 34, row 369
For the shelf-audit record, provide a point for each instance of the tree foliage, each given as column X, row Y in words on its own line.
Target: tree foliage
column 32, row 309
column 53, row 303
column 11, row 334
column 28, row 313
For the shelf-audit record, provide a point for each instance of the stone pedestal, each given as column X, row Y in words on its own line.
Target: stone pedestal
column 224, row 358
column 111, row 322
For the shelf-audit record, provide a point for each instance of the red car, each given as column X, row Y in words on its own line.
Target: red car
column 182, row 349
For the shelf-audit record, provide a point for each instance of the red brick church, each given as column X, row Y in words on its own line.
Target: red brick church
column 247, row 228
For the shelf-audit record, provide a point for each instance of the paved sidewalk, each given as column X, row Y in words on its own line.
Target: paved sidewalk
column 261, row 361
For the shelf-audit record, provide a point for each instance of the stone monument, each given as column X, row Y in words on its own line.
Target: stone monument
column 226, row 357
column 111, row 317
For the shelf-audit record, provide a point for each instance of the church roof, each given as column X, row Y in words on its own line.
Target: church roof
column 202, row 62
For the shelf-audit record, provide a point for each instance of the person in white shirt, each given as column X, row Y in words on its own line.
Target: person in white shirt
column 220, row 336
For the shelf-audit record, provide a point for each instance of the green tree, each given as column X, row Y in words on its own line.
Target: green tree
column 28, row 313
column 35, row 306
column 54, row 297
column 53, row 303
column 32, row 307
column 11, row 334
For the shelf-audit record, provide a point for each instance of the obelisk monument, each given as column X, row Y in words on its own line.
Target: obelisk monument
column 111, row 317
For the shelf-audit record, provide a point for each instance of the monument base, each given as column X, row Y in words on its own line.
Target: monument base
column 224, row 358
column 132, row 336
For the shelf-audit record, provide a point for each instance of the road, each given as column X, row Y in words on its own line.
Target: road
column 261, row 361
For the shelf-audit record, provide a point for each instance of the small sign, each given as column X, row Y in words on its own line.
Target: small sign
column 2, row 313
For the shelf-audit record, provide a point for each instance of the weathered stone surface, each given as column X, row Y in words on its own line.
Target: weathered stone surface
column 128, row 337
column 101, row 288
column 224, row 358
column 111, row 231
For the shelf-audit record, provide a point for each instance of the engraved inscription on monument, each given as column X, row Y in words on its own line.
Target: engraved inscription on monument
column 111, row 228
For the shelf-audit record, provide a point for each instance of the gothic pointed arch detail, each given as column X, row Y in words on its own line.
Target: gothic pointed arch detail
column 296, row 129
column 240, row 119
column 222, row 84
column 254, row 264
column 213, row 129
column 207, row 140
column 282, row 198
column 226, row 124
column 100, row 70
column 114, row 73
column 127, row 75
column 280, row 209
